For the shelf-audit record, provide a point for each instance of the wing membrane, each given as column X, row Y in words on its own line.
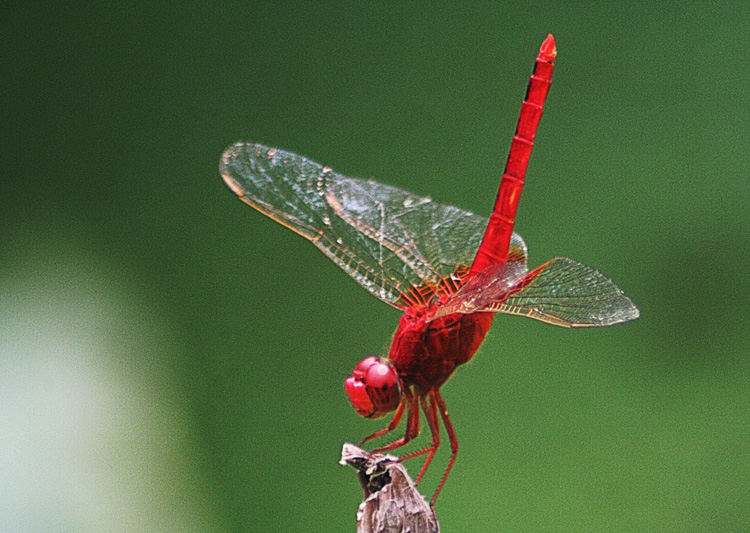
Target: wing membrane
column 390, row 241
column 560, row 292
column 483, row 291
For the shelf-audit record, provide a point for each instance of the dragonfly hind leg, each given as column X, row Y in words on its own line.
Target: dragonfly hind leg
column 431, row 414
column 451, row 437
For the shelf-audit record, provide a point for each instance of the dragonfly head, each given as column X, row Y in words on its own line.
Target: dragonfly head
column 373, row 388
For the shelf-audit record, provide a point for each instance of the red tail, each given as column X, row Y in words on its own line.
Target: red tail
column 496, row 240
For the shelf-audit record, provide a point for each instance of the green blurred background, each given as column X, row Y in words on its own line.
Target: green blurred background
column 172, row 360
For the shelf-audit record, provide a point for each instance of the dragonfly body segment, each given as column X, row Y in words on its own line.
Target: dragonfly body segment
column 425, row 353
column 450, row 271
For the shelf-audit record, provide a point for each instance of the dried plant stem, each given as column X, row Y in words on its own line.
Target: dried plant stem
column 392, row 502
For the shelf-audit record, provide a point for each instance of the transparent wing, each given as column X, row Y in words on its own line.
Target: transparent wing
column 481, row 292
column 560, row 292
column 403, row 248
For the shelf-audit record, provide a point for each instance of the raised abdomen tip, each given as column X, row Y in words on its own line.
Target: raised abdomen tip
column 548, row 51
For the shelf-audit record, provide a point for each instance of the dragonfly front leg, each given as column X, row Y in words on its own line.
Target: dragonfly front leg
column 393, row 424
column 412, row 423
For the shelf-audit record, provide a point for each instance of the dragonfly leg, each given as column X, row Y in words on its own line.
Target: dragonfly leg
column 451, row 436
column 393, row 424
column 412, row 424
column 431, row 414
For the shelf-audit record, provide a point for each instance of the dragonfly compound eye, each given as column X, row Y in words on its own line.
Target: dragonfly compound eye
column 373, row 388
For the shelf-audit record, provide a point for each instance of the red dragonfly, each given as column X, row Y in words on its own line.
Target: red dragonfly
column 448, row 270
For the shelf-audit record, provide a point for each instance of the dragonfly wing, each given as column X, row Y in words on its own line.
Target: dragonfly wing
column 560, row 292
column 481, row 292
column 389, row 240
column 430, row 240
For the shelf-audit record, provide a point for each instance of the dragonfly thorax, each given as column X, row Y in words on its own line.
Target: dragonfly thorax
column 426, row 352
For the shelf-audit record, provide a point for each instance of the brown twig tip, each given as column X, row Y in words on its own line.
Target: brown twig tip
column 392, row 502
